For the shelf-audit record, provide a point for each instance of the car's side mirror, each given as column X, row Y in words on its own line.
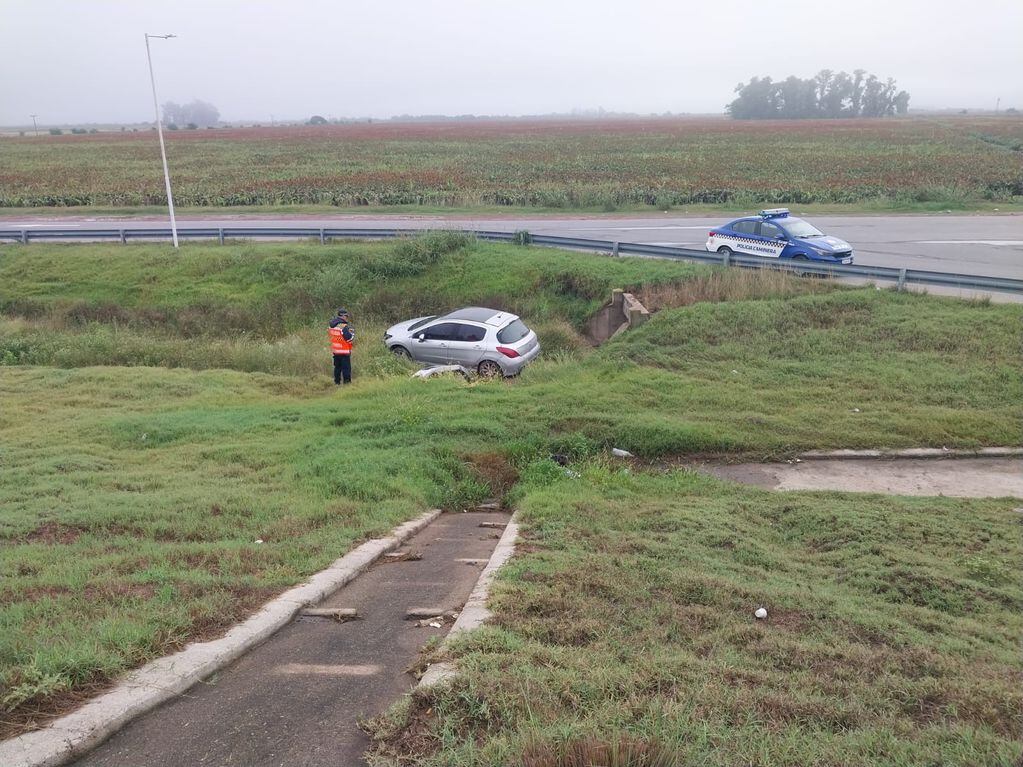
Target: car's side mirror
column 781, row 237
column 421, row 337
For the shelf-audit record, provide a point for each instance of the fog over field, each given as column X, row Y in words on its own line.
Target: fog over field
column 80, row 62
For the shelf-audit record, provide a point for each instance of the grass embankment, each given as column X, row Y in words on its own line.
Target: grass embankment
column 624, row 632
column 134, row 493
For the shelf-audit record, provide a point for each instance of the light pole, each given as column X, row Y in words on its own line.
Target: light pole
column 159, row 130
column 35, row 128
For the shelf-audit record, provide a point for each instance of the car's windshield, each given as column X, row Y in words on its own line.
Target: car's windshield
column 420, row 323
column 796, row 227
column 513, row 332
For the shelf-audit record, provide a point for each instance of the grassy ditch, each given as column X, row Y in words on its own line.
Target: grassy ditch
column 163, row 412
column 624, row 631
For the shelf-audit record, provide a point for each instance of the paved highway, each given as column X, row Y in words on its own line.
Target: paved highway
column 990, row 245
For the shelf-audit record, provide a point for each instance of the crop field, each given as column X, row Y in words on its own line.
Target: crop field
column 165, row 410
column 549, row 164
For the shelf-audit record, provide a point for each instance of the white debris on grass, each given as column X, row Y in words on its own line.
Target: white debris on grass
column 619, row 453
column 430, row 372
column 761, row 613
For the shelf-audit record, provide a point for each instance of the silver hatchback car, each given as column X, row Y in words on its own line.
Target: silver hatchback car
column 491, row 342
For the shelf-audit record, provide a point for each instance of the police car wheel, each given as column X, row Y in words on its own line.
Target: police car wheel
column 725, row 252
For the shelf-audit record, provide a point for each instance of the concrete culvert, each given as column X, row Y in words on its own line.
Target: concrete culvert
column 623, row 312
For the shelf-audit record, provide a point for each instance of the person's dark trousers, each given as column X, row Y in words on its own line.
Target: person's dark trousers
column 342, row 368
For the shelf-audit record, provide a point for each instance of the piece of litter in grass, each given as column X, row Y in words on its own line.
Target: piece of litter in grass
column 619, row 453
column 572, row 474
column 435, row 625
column 736, row 372
column 258, row 540
column 761, row 613
column 855, row 410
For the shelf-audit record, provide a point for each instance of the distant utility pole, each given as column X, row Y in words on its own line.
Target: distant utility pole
column 271, row 121
column 35, row 127
column 998, row 104
column 159, row 130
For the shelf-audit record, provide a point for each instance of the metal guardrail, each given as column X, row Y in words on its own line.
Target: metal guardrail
column 323, row 234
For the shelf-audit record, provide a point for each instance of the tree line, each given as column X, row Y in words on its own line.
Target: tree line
column 827, row 94
column 196, row 112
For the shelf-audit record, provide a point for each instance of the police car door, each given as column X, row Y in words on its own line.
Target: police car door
column 745, row 237
column 772, row 240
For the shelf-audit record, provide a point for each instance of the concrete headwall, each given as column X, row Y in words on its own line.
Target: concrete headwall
column 624, row 312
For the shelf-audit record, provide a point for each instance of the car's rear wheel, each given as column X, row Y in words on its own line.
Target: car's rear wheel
column 803, row 258
column 725, row 252
column 489, row 369
column 401, row 352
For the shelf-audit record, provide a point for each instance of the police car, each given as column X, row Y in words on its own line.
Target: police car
column 775, row 234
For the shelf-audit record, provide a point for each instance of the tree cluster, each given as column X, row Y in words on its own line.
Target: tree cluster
column 827, row 94
column 195, row 112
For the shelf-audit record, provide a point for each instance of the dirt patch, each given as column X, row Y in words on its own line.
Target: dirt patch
column 959, row 478
column 412, row 739
column 54, row 533
column 34, row 715
column 120, row 591
column 496, row 470
column 623, row 752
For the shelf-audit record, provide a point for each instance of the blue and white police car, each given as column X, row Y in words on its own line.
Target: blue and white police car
column 775, row 234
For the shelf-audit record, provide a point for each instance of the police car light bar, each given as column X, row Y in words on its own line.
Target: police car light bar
column 774, row 213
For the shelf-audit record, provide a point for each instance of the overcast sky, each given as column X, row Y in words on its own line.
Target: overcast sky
column 84, row 60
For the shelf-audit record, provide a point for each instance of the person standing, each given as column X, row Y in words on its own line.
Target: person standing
column 342, row 335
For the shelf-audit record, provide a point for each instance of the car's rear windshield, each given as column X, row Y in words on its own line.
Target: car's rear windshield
column 421, row 322
column 514, row 331
column 796, row 227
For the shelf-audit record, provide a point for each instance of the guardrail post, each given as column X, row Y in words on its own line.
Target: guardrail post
column 902, row 280
column 124, row 239
column 24, row 236
column 726, row 258
column 323, row 240
column 614, row 250
column 220, row 235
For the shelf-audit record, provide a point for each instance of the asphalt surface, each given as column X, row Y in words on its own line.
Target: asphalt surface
column 297, row 699
column 990, row 245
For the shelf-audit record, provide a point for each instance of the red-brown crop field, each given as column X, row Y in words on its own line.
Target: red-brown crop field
column 603, row 164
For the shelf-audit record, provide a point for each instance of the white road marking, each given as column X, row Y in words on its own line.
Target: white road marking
column 968, row 242
column 41, row 226
column 327, row 669
column 635, row 228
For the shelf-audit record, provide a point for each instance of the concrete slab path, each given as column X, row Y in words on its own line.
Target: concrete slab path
column 297, row 699
column 956, row 477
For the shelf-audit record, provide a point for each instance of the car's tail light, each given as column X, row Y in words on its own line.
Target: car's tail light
column 712, row 234
column 507, row 352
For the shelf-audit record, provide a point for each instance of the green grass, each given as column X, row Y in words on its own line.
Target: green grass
column 626, row 620
column 163, row 411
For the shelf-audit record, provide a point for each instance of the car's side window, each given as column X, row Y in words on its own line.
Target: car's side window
column 744, row 227
column 444, row 331
column 469, row 333
column 770, row 230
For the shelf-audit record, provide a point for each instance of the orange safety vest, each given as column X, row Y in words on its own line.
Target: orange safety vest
column 338, row 344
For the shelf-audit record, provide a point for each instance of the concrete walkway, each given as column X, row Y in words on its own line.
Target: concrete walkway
column 957, row 477
column 297, row 699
